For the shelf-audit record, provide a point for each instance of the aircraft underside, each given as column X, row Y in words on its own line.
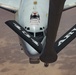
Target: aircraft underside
column 36, row 23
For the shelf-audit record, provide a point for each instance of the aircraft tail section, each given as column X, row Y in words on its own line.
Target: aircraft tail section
column 13, row 11
column 24, row 34
column 10, row 5
column 69, row 8
column 69, row 4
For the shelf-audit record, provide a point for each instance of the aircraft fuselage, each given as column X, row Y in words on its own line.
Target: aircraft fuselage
column 33, row 16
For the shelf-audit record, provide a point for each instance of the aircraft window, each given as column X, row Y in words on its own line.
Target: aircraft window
column 25, row 27
column 39, row 36
column 28, row 28
column 41, row 28
column 31, row 33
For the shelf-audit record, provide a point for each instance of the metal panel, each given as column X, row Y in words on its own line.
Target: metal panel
column 10, row 4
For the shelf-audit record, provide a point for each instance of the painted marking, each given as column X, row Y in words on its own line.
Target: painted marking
column 18, row 27
column 35, row 42
column 67, row 36
column 25, row 33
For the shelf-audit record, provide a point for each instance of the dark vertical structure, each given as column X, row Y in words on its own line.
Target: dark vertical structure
column 49, row 55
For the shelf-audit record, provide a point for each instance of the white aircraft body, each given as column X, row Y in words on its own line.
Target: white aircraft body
column 32, row 15
column 34, row 21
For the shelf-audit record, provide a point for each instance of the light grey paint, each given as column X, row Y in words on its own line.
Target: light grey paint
column 10, row 4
